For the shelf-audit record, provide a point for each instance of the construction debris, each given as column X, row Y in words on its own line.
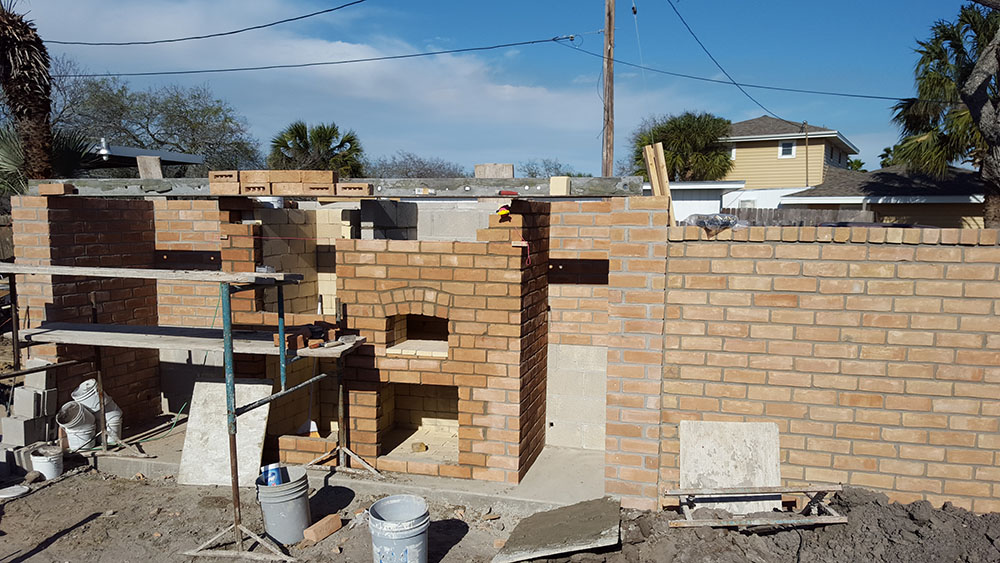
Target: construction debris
column 586, row 525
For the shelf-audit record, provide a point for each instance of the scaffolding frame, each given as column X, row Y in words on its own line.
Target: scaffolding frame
column 229, row 284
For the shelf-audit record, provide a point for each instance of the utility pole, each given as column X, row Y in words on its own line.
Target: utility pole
column 608, row 155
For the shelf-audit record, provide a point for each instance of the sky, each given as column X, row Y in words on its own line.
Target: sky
column 521, row 103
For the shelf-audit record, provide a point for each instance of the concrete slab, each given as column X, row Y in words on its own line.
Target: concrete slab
column 587, row 525
column 205, row 459
column 563, row 476
column 731, row 454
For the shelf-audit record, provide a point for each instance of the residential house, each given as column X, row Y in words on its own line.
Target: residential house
column 776, row 158
column 897, row 195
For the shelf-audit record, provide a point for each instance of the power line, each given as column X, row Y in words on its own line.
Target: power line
column 704, row 48
column 194, row 37
column 745, row 84
column 557, row 40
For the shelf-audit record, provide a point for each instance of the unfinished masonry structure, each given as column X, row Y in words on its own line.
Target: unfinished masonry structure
column 581, row 322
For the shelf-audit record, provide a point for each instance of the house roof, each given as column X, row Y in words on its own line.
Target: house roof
column 894, row 184
column 766, row 125
column 765, row 128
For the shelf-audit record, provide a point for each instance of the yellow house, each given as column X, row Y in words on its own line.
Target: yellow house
column 770, row 153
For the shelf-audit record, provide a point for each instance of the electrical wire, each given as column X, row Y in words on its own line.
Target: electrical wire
column 745, row 84
column 704, row 48
column 195, row 37
column 557, row 40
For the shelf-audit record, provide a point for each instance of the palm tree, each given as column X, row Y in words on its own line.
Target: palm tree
column 888, row 157
column 320, row 147
column 856, row 164
column 71, row 151
column 938, row 127
column 24, row 77
column 691, row 145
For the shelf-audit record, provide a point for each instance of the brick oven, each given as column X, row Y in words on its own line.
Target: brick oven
column 456, row 359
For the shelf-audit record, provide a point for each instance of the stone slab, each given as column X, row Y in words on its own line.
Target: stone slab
column 586, row 525
column 731, row 454
column 205, row 458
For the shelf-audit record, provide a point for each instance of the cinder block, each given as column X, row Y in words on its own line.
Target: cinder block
column 27, row 402
column 41, row 379
column 494, row 170
column 21, row 431
column 559, row 185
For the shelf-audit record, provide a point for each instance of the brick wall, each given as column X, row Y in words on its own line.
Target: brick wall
column 80, row 231
column 876, row 351
column 578, row 272
column 187, row 238
column 289, row 245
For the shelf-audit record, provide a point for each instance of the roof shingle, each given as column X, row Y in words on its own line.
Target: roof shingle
column 766, row 125
column 895, row 181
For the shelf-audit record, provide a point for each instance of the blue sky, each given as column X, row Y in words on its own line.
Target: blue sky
column 540, row 101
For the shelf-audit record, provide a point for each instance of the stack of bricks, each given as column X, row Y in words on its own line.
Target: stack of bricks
column 876, row 351
column 300, row 450
column 77, row 231
column 305, row 183
column 332, row 224
column 487, row 291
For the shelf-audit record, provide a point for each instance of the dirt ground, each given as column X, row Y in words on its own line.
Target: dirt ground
column 877, row 531
column 95, row 517
column 92, row 517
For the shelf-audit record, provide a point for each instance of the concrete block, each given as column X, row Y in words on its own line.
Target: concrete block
column 41, row 379
column 406, row 215
column 27, row 403
column 494, row 170
column 731, row 454
column 21, row 431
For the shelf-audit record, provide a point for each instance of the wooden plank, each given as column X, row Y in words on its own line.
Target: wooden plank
column 664, row 176
column 652, row 169
column 170, row 338
column 754, row 490
column 747, row 522
column 263, row 278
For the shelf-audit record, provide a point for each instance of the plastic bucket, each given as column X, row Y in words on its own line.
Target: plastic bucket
column 398, row 524
column 285, row 507
column 86, row 395
column 78, row 422
column 113, row 418
column 47, row 460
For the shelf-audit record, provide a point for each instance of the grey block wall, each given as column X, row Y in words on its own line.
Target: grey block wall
column 575, row 409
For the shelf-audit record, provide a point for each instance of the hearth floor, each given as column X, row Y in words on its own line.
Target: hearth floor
column 442, row 444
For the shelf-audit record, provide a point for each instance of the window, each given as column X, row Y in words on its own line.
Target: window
column 786, row 149
column 732, row 153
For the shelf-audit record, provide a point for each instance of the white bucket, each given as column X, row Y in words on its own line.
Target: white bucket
column 78, row 422
column 398, row 525
column 114, row 422
column 86, row 395
column 47, row 460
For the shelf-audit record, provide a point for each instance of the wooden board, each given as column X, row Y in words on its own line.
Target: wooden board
column 262, row 278
column 745, row 522
column 170, row 338
column 659, row 177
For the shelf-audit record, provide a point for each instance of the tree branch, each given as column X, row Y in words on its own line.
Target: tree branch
column 975, row 91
